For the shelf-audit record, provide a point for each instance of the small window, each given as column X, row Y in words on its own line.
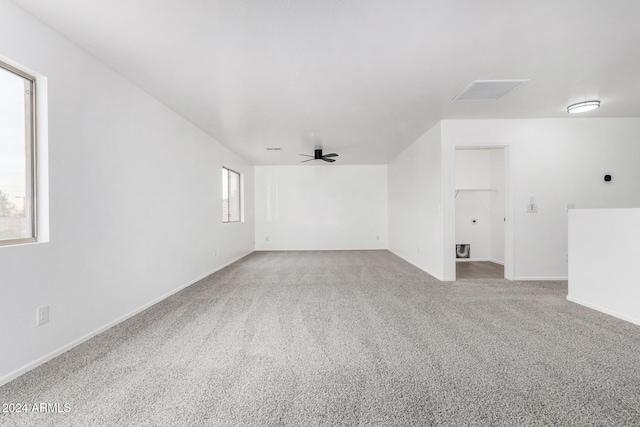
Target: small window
column 231, row 209
column 17, row 156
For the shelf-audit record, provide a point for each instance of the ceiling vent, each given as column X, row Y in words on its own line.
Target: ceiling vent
column 488, row 90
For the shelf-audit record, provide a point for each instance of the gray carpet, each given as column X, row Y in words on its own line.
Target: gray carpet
column 346, row 338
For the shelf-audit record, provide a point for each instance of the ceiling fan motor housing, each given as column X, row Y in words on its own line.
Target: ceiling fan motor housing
column 317, row 155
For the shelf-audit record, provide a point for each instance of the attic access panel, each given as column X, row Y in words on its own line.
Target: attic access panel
column 488, row 90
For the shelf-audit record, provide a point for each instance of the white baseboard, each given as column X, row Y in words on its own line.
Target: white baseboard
column 437, row 276
column 634, row 320
column 26, row 368
column 317, row 249
column 550, row 278
column 479, row 260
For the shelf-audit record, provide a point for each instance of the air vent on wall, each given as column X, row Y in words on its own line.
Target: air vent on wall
column 488, row 90
column 274, row 149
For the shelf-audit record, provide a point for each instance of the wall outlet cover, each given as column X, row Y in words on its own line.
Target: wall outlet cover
column 43, row 315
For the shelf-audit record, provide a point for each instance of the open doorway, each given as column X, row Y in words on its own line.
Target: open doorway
column 480, row 213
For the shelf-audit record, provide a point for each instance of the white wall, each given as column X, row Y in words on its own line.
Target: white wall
column 415, row 214
column 135, row 203
column 558, row 161
column 481, row 169
column 603, row 247
column 311, row 207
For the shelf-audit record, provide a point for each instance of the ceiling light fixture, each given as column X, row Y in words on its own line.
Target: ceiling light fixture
column 583, row 107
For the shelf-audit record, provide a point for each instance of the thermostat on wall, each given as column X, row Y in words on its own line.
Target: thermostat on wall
column 607, row 178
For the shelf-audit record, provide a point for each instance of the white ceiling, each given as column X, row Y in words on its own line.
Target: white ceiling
column 366, row 77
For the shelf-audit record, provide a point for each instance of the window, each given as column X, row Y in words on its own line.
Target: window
column 231, row 209
column 17, row 156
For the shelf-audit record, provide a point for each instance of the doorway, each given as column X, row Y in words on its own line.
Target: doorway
column 480, row 212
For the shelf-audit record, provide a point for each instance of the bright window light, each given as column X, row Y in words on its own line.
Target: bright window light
column 17, row 156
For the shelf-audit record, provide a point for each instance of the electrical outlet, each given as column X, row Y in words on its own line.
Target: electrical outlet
column 377, row 237
column 215, row 252
column 43, row 315
column 266, row 239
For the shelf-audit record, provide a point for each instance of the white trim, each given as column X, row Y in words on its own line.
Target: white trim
column 533, row 279
column 633, row 320
column 448, row 204
column 449, row 210
column 29, row 366
column 437, row 276
column 510, row 233
column 479, row 260
column 320, row 249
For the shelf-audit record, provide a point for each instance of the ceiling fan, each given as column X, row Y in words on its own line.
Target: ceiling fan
column 319, row 156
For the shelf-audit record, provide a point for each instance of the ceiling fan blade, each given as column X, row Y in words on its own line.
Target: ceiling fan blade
column 306, row 155
column 329, row 160
column 304, row 161
column 330, row 155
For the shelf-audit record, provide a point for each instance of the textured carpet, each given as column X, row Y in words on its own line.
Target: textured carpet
column 346, row 338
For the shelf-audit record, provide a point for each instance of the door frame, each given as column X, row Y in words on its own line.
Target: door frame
column 449, row 204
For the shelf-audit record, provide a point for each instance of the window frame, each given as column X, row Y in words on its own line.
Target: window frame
column 227, row 220
column 30, row 156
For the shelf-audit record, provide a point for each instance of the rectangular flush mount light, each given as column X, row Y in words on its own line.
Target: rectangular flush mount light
column 488, row 90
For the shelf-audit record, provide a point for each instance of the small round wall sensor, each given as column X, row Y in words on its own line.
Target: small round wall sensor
column 607, row 178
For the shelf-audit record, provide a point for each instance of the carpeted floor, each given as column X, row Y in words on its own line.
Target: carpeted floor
column 346, row 338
